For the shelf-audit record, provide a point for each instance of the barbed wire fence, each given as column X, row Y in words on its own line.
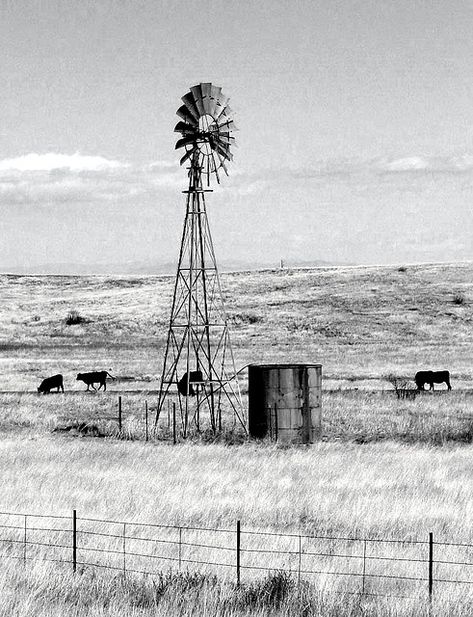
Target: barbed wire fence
column 367, row 566
column 131, row 420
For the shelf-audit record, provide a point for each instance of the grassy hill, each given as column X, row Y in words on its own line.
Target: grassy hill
column 361, row 323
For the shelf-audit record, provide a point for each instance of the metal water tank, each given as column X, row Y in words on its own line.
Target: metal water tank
column 285, row 402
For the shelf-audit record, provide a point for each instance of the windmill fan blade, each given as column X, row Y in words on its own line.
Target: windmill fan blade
column 225, row 114
column 222, row 164
column 209, row 100
column 226, row 127
column 209, row 106
column 215, row 91
column 225, row 153
column 187, row 116
column 197, row 94
column 218, row 148
column 215, row 167
column 185, row 141
column 185, row 129
column 187, row 155
column 206, row 89
column 226, row 138
column 222, row 147
column 222, row 101
column 189, row 102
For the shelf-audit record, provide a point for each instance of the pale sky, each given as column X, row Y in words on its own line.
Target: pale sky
column 355, row 120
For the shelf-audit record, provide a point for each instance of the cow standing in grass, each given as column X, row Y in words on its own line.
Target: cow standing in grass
column 99, row 377
column 431, row 377
column 49, row 383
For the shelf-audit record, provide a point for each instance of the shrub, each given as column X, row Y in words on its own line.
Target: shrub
column 459, row 298
column 246, row 318
column 270, row 592
column 74, row 318
column 401, row 386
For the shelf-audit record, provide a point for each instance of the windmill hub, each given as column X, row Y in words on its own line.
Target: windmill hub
column 207, row 125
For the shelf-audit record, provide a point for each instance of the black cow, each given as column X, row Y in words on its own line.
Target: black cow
column 99, row 377
column 194, row 376
column 431, row 377
column 51, row 382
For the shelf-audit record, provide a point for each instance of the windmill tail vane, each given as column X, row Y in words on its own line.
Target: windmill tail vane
column 199, row 369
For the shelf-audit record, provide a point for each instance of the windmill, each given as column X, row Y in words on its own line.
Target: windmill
column 198, row 360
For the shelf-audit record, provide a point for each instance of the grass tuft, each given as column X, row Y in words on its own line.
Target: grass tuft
column 74, row 318
column 459, row 299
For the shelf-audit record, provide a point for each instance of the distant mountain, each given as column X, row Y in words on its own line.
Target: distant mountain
column 142, row 267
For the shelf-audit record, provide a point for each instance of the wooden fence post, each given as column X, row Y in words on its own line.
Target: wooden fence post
column 146, row 421
column 180, row 548
column 120, row 414
column 364, row 568
column 74, row 540
column 299, row 563
column 238, row 546
column 124, row 548
column 276, row 428
column 24, row 541
column 431, row 564
column 174, row 437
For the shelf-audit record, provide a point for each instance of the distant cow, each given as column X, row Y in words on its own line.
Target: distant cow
column 431, row 377
column 194, row 376
column 99, row 377
column 51, row 382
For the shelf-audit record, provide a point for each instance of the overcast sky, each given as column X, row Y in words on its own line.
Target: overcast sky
column 355, row 129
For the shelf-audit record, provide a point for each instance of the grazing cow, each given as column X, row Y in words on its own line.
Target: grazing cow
column 51, row 382
column 431, row 377
column 99, row 377
column 194, row 376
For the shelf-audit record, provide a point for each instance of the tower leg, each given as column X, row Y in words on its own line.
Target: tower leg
column 198, row 342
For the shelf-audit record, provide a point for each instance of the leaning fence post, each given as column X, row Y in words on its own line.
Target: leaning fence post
column 120, row 414
column 74, row 540
column 431, row 564
column 238, row 538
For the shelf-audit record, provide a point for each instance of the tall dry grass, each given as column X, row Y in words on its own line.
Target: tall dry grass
column 360, row 416
column 375, row 490
column 46, row 591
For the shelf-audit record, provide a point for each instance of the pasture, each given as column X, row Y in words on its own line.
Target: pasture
column 386, row 467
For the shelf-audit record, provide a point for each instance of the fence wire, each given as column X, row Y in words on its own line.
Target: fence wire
column 386, row 567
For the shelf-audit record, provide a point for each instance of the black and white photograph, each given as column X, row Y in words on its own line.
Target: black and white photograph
column 236, row 308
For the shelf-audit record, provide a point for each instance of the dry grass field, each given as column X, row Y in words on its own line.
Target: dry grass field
column 361, row 323
column 385, row 468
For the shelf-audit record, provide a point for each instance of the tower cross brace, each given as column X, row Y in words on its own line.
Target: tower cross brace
column 198, row 359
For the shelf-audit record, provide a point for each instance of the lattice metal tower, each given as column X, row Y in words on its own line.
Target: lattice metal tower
column 198, row 360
